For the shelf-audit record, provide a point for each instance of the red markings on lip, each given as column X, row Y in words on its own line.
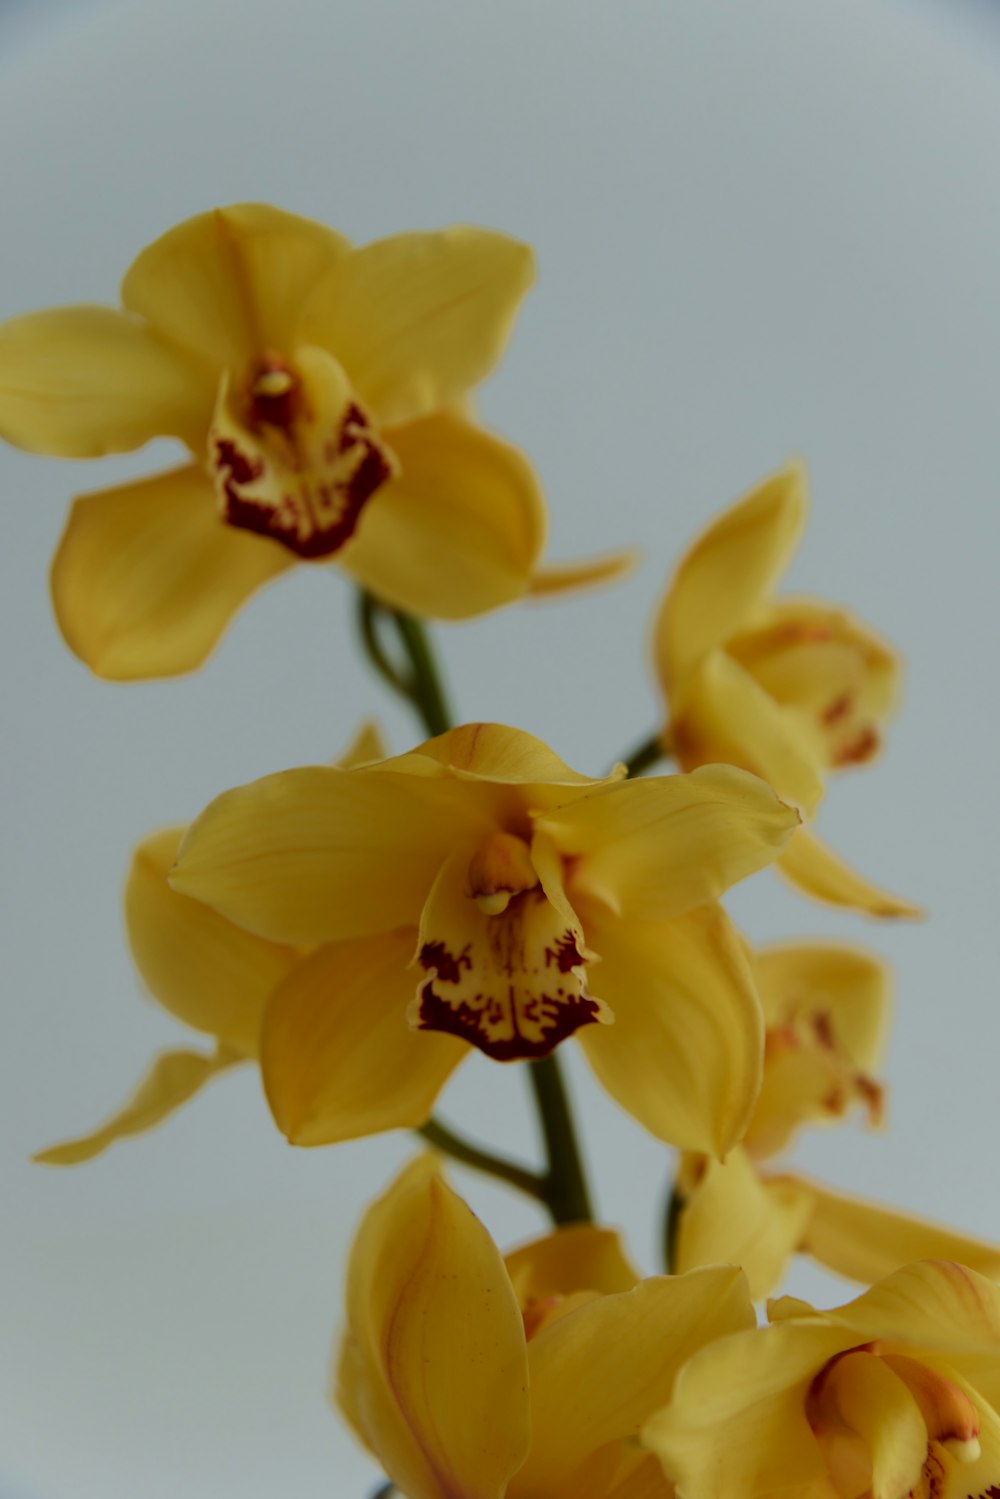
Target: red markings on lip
column 506, row 995
column 467, row 1021
column 313, row 513
column 859, row 749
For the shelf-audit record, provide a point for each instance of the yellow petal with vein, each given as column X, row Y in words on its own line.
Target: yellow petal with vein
column 812, row 866
column 599, row 1373
column 937, row 1304
column 729, row 570
column 307, row 856
column 174, row 1077
column 338, row 1058
column 684, row 1055
column 728, row 717
column 588, row 572
column 228, row 284
column 866, row 1241
column 496, row 752
column 458, row 532
column 734, row 1217
column 199, row 966
column 736, row 1425
column 147, row 577
column 580, row 1257
column 418, row 319
column 433, row 1374
column 79, row 382
column 660, row 846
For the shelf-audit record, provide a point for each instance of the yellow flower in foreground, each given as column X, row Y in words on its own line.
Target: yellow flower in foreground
column 826, row 1009
column 465, row 894
column 466, row 1376
column 894, row 1396
column 320, row 391
column 790, row 688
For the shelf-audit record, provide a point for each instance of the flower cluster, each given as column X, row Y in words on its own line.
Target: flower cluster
column 354, row 931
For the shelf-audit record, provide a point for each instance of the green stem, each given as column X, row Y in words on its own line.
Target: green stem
column 368, row 615
column 671, row 1223
column 426, row 687
column 566, row 1195
column 645, row 755
column 445, row 1140
column 563, row 1188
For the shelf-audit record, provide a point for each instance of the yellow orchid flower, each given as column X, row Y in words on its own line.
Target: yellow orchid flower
column 320, row 390
column 826, row 1009
column 467, row 1376
column 465, row 892
column 894, row 1396
column 789, row 688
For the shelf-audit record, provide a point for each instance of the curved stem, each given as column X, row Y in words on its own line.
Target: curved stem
column 445, row 1140
column 368, row 613
column 566, row 1194
column 671, row 1223
column 645, row 755
column 426, row 689
column 563, row 1188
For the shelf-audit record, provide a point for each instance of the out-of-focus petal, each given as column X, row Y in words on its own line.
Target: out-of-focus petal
column 866, row 1400
column 851, row 987
column 79, row 382
column 730, row 568
column 419, row 318
column 367, row 747
column 660, row 846
column 588, row 572
column 227, row 285
column 643, row 1479
column 684, row 1055
column 738, row 1407
column 174, row 1077
column 147, row 576
column 338, row 1058
column 199, row 966
column 866, row 1241
column 308, row 856
column 581, row 1257
column 598, row 1374
column 734, row 1217
column 811, row 866
column 728, row 717
column 459, row 531
column 433, row 1375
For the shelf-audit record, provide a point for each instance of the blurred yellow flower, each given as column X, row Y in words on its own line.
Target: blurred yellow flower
column 530, row 1379
column 321, row 391
column 894, row 1396
column 826, row 1009
column 470, row 889
column 790, row 688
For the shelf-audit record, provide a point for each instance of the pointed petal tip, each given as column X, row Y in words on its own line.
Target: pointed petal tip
column 588, row 572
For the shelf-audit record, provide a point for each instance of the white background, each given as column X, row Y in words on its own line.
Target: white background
column 763, row 228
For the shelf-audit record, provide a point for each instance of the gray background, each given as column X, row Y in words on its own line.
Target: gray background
column 763, row 228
